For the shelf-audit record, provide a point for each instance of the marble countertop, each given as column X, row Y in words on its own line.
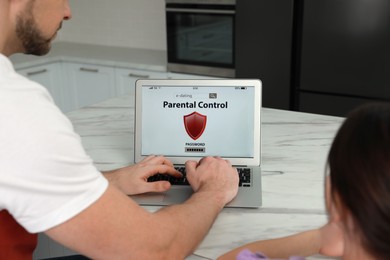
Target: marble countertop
column 294, row 151
column 154, row 60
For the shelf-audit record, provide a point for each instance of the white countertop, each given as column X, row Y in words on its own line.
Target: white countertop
column 294, row 151
column 154, row 60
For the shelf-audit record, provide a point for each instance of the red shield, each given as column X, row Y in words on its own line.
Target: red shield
column 195, row 124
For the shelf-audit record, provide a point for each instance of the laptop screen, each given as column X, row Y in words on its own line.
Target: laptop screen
column 197, row 120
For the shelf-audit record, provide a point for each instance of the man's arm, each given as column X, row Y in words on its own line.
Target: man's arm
column 116, row 227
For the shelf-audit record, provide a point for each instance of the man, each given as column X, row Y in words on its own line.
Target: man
column 48, row 184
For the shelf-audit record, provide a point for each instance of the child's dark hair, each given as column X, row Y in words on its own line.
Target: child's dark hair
column 359, row 164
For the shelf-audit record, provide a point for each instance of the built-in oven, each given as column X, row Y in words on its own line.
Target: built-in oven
column 200, row 36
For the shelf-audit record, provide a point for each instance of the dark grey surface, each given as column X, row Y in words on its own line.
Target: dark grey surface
column 345, row 55
column 263, row 47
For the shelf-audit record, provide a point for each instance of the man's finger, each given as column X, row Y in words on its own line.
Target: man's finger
column 163, row 169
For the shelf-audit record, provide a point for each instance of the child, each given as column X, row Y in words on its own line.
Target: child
column 357, row 197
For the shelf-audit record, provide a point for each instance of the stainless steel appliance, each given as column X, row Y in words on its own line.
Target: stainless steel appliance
column 200, row 36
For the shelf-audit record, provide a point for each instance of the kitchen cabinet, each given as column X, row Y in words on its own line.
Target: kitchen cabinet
column 173, row 75
column 50, row 76
column 126, row 78
column 328, row 104
column 263, row 46
column 344, row 61
column 78, row 84
column 88, row 84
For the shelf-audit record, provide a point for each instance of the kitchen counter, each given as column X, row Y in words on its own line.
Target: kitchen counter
column 294, row 151
column 154, row 60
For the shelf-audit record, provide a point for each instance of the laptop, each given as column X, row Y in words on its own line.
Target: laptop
column 190, row 119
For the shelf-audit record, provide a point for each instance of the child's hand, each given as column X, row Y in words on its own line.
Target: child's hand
column 332, row 240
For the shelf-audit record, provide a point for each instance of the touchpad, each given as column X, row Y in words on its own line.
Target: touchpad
column 177, row 195
column 149, row 198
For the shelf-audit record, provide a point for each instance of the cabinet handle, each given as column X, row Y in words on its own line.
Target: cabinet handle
column 36, row 72
column 89, row 70
column 207, row 11
column 138, row 76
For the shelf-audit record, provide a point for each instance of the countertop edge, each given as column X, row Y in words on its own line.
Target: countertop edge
column 120, row 57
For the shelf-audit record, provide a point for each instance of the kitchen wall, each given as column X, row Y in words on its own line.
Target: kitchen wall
column 121, row 23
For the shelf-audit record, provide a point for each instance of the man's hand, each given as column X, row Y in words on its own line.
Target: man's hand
column 133, row 179
column 213, row 174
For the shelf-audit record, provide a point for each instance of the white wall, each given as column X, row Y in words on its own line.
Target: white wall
column 123, row 23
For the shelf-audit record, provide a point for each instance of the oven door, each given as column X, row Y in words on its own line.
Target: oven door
column 201, row 39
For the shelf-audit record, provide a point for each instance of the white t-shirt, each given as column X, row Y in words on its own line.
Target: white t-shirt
column 46, row 177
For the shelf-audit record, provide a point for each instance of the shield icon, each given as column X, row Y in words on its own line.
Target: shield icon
column 195, row 124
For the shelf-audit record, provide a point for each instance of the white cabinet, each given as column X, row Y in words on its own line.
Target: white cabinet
column 74, row 85
column 88, row 84
column 174, row 75
column 50, row 76
column 126, row 78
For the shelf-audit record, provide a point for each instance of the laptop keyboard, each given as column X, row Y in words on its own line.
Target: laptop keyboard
column 243, row 173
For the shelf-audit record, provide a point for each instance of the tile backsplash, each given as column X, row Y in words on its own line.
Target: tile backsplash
column 121, row 23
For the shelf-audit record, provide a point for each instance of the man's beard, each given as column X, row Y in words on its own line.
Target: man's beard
column 31, row 38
